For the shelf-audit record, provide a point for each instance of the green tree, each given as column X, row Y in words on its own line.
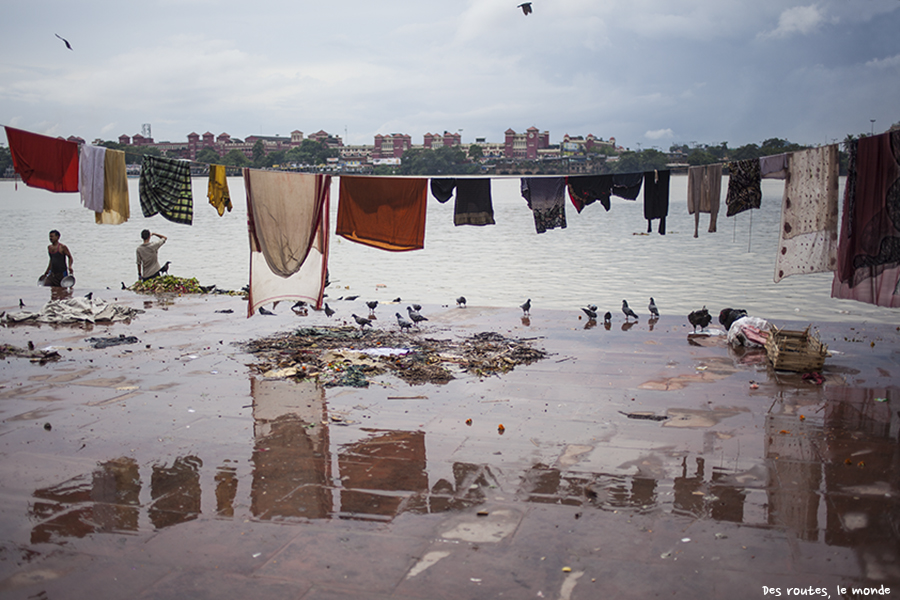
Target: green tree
column 476, row 152
column 5, row 160
column 700, row 157
column 746, row 152
column 274, row 158
column 446, row 160
column 209, row 156
column 235, row 158
column 311, row 152
column 258, row 153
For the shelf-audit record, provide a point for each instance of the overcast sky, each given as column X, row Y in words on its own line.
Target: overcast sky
column 647, row 72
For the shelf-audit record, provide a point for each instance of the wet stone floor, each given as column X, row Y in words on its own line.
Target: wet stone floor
column 636, row 461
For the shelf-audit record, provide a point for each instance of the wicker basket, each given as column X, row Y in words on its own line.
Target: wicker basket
column 795, row 350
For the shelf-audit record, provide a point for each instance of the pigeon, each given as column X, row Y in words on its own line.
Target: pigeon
column 299, row 304
column 397, row 300
column 351, row 297
column 362, row 321
column 727, row 316
column 593, row 307
column 21, row 304
column 526, row 8
column 372, row 304
column 226, row 311
column 592, row 315
column 207, row 288
column 165, row 268
column 700, row 317
column 628, row 312
column 403, row 323
column 68, row 45
column 328, row 310
column 526, row 308
column 417, row 307
column 607, row 318
column 461, row 302
column 415, row 316
column 124, row 287
column 652, row 308
column 89, row 295
column 264, row 311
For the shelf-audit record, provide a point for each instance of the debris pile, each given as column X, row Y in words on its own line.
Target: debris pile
column 346, row 356
column 177, row 285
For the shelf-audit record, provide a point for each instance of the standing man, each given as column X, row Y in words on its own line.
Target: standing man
column 56, row 268
column 147, row 262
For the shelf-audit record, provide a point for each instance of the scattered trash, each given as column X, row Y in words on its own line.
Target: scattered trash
column 40, row 356
column 814, row 378
column 501, row 428
column 469, row 422
column 48, row 426
column 567, row 569
column 646, row 416
column 105, row 342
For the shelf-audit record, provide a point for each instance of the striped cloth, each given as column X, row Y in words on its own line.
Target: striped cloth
column 165, row 188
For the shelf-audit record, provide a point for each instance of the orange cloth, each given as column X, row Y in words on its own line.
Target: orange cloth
column 383, row 212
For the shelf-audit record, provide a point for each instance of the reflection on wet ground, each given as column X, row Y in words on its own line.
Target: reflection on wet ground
column 173, row 460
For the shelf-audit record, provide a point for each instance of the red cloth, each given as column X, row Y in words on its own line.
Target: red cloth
column 383, row 212
column 44, row 162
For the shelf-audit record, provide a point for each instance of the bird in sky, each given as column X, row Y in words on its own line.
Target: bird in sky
column 362, row 321
column 461, row 302
column 526, row 308
column 526, row 8
column 415, row 316
column 69, row 46
column 403, row 323
column 627, row 310
column 652, row 308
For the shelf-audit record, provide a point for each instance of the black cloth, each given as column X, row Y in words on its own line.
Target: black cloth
column 587, row 189
column 473, row 199
column 627, row 185
column 442, row 189
column 656, row 199
column 744, row 189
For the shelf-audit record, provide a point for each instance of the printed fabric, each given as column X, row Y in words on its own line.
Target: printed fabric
column 546, row 197
column 704, row 194
column 287, row 220
column 165, row 189
column 627, row 185
column 217, row 190
column 656, row 199
column 92, row 166
column 809, row 209
column 868, row 266
column 383, row 212
column 44, row 162
column 584, row 190
column 744, row 186
column 116, row 206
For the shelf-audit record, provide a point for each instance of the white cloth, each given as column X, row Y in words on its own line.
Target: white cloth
column 742, row 331
column 91, row 173
column 809, row 214
column 288, row 228
column 74, row 310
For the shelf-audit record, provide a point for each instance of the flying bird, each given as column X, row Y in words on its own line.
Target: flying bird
column 700, row 317
column 362, row 321
column 592, row 315
column 328, row 310
column 526, row 8
column 69, row 46
column 627, row 310
column 461, row 302
column 652, row 308
column 526, row 308
column 403, row 323
column 415, row 316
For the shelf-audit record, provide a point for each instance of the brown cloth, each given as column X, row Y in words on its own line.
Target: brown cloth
column 383, row 212
column 116, row 208
column 704, row 193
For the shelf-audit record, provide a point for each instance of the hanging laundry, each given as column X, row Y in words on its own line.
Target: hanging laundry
column 116, row 207
column 627, row 185
column 809, row 211
column 704, row 194
column 744, row 186
column 473, row 202
column 217, row 190
column 442, row 189
column 44, row 162
column 656, row 199
column 869, row 245
column 546, row 197
column 287, row 220
column 587, row 189
column 383, row 212
column 165, row 188
column 775, row 166
column 92, row 166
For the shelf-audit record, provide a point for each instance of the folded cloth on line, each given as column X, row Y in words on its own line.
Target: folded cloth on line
column 44, row 162
column 287, row 220
column 165, row 188
column 383, row 212
column 74, row 310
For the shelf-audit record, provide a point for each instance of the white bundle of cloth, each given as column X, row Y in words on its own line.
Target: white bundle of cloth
column 75, row 310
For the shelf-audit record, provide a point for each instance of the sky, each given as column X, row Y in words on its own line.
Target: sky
column 650, row 73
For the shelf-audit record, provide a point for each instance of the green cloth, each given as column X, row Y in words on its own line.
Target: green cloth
column 165, row 188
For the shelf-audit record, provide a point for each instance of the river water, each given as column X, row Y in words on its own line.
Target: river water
column 601, row 258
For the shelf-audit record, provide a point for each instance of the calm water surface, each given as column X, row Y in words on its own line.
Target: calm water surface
column 601, row 258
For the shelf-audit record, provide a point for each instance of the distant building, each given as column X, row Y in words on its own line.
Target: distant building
column 436, row 140
column 391, row 146
column 525, row 145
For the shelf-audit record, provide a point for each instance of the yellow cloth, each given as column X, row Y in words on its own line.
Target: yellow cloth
column 116, row 208
column 218, row 189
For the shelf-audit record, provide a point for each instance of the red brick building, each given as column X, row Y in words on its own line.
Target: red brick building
column 525, row 145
